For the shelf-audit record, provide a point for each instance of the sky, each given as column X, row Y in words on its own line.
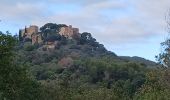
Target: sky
column 126, row 27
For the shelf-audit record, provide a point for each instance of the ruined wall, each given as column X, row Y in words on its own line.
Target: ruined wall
column 36, row 38
column 27, row 32
column 32, row 29
column 68, row 32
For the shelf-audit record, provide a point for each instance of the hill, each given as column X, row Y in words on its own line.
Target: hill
column 56, row 37
column 73, row 65
column 140, row 60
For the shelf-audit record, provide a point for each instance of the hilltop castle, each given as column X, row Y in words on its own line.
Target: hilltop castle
column 34, row 35
column 69, row 32
column 31, row 33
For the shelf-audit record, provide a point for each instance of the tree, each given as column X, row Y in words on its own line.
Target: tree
column 164, row 57
column 156, row 86
column 15, row 84
column 50, row 29
column 52, row 38
column 85, row 38
column 52, row 26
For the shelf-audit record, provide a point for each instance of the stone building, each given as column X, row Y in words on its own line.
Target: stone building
column 36, row 38
column 27, row 32
column 69, row 31
column 33, row 35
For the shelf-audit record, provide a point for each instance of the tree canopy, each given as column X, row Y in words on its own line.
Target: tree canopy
column 15, row 83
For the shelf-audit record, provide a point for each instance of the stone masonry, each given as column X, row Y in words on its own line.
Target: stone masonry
column 35, row 36
column 27, row 32
column 69, row 32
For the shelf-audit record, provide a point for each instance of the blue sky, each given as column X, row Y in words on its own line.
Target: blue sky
column 126, row 27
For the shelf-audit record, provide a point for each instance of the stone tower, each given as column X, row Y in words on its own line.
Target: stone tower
column 27, row 32
column 68, row 31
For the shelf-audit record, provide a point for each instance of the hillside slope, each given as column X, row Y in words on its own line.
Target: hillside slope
column 82, row 65
column 140, row 60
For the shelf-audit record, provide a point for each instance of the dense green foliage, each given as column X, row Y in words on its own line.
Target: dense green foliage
column 78, row 69
column 164, row 57
column 15, row 83
column 50, row 30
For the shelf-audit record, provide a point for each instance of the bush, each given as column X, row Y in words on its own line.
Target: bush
column 28, row 47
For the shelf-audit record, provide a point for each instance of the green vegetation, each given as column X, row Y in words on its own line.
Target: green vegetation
column 15, row 82
column 78, row 69
column 164, row 56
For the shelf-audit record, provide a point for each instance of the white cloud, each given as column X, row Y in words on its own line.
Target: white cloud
column 20, row 11
column 110, row 21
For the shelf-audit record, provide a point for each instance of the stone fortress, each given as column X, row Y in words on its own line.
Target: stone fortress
column 33, row 33
column 68, row 32
column 30, row 33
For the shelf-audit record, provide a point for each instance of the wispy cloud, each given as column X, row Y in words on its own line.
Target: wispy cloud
column 111, row 18
column 113, row 22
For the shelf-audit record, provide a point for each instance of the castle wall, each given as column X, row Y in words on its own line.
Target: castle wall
column 32, row 29
column 33, row 34
column 36, row 38
column 68, row 32
column 28, row 32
